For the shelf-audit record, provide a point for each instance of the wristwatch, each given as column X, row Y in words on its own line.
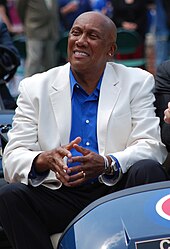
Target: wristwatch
column 112, row 174
column 108, row 168
column 114, row 167
column 111, row 169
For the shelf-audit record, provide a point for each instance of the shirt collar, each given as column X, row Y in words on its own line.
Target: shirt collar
column 73, row 82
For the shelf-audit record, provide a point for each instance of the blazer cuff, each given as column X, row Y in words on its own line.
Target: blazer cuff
column 35, row 178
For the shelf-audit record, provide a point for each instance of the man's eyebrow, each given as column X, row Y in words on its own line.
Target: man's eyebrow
column 95, row 30
column 88, row 30
column 75, row 27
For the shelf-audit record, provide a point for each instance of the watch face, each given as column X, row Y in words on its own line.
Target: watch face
column 108, row 169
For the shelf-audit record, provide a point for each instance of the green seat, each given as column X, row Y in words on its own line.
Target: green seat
column 127, row 44
column 20, row 43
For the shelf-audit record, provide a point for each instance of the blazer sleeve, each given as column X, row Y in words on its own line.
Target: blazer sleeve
column 139, row 127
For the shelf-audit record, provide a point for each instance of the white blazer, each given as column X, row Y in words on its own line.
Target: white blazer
column 126, row 123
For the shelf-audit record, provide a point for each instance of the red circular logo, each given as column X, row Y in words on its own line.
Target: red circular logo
column 163, row 207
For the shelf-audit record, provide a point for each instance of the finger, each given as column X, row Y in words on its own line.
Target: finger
column 79, row 175
column 63, row 152
column 74, row 169
column 58, row 161
column 77, row 179
column 78, row 159
column 81, row 149
column 63, row 177
column 63, row 180
column 57, row 165
column 73, row 180
column 167, row 114
column 77, row 140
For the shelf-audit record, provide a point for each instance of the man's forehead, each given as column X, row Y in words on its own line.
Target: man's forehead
column 88, row 18
column 88, row 27
column 91, row 23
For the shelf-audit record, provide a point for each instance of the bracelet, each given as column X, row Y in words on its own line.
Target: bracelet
column 113, row 175
column 107, row 167
column 106, row 162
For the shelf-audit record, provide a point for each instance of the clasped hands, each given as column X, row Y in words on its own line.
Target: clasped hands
column 90, row 164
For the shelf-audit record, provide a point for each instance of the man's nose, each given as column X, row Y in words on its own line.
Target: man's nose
column 81, row 40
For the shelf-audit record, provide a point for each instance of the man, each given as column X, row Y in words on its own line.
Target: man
column 166, row 128
column 81, row 131
column 162, row 95
column 162, row 89
column 40, row 21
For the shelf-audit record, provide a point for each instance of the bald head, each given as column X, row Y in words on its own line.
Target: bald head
column 105, row 22
column 91, row 44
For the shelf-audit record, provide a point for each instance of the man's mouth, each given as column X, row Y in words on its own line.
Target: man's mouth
column 81, row 53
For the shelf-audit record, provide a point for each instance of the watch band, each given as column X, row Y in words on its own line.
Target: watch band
column 114, row 174
column 106, row 165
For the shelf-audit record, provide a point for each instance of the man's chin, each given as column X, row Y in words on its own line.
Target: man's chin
column 79, row 65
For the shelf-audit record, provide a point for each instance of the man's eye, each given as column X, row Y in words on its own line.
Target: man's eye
column 93, row 36
column 76, row 33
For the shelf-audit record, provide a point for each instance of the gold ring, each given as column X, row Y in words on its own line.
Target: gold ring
column 83, row 173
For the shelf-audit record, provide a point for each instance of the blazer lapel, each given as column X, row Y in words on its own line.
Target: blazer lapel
column 109, row 93
column 60, row 96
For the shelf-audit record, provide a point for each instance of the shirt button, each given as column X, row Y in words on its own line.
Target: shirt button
column 87, row 143
column 77, row 86
column 87, row 121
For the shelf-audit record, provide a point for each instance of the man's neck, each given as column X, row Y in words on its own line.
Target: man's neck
column 87, row 81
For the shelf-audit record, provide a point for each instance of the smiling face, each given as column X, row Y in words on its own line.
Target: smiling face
column 91, row 43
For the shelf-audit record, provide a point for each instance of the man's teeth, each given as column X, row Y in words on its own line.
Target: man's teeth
column 81, row 53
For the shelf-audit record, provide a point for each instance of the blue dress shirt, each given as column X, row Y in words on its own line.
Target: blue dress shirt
column 84, row 123
column 84, row 116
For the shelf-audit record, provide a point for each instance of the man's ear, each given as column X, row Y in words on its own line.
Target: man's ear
column 112, row 50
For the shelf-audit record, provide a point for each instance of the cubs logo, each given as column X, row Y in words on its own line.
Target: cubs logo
column 163, row 207
column 165, row 244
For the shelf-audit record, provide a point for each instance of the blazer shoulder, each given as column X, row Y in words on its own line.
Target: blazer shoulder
column 124, row 71
column 54, row 78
